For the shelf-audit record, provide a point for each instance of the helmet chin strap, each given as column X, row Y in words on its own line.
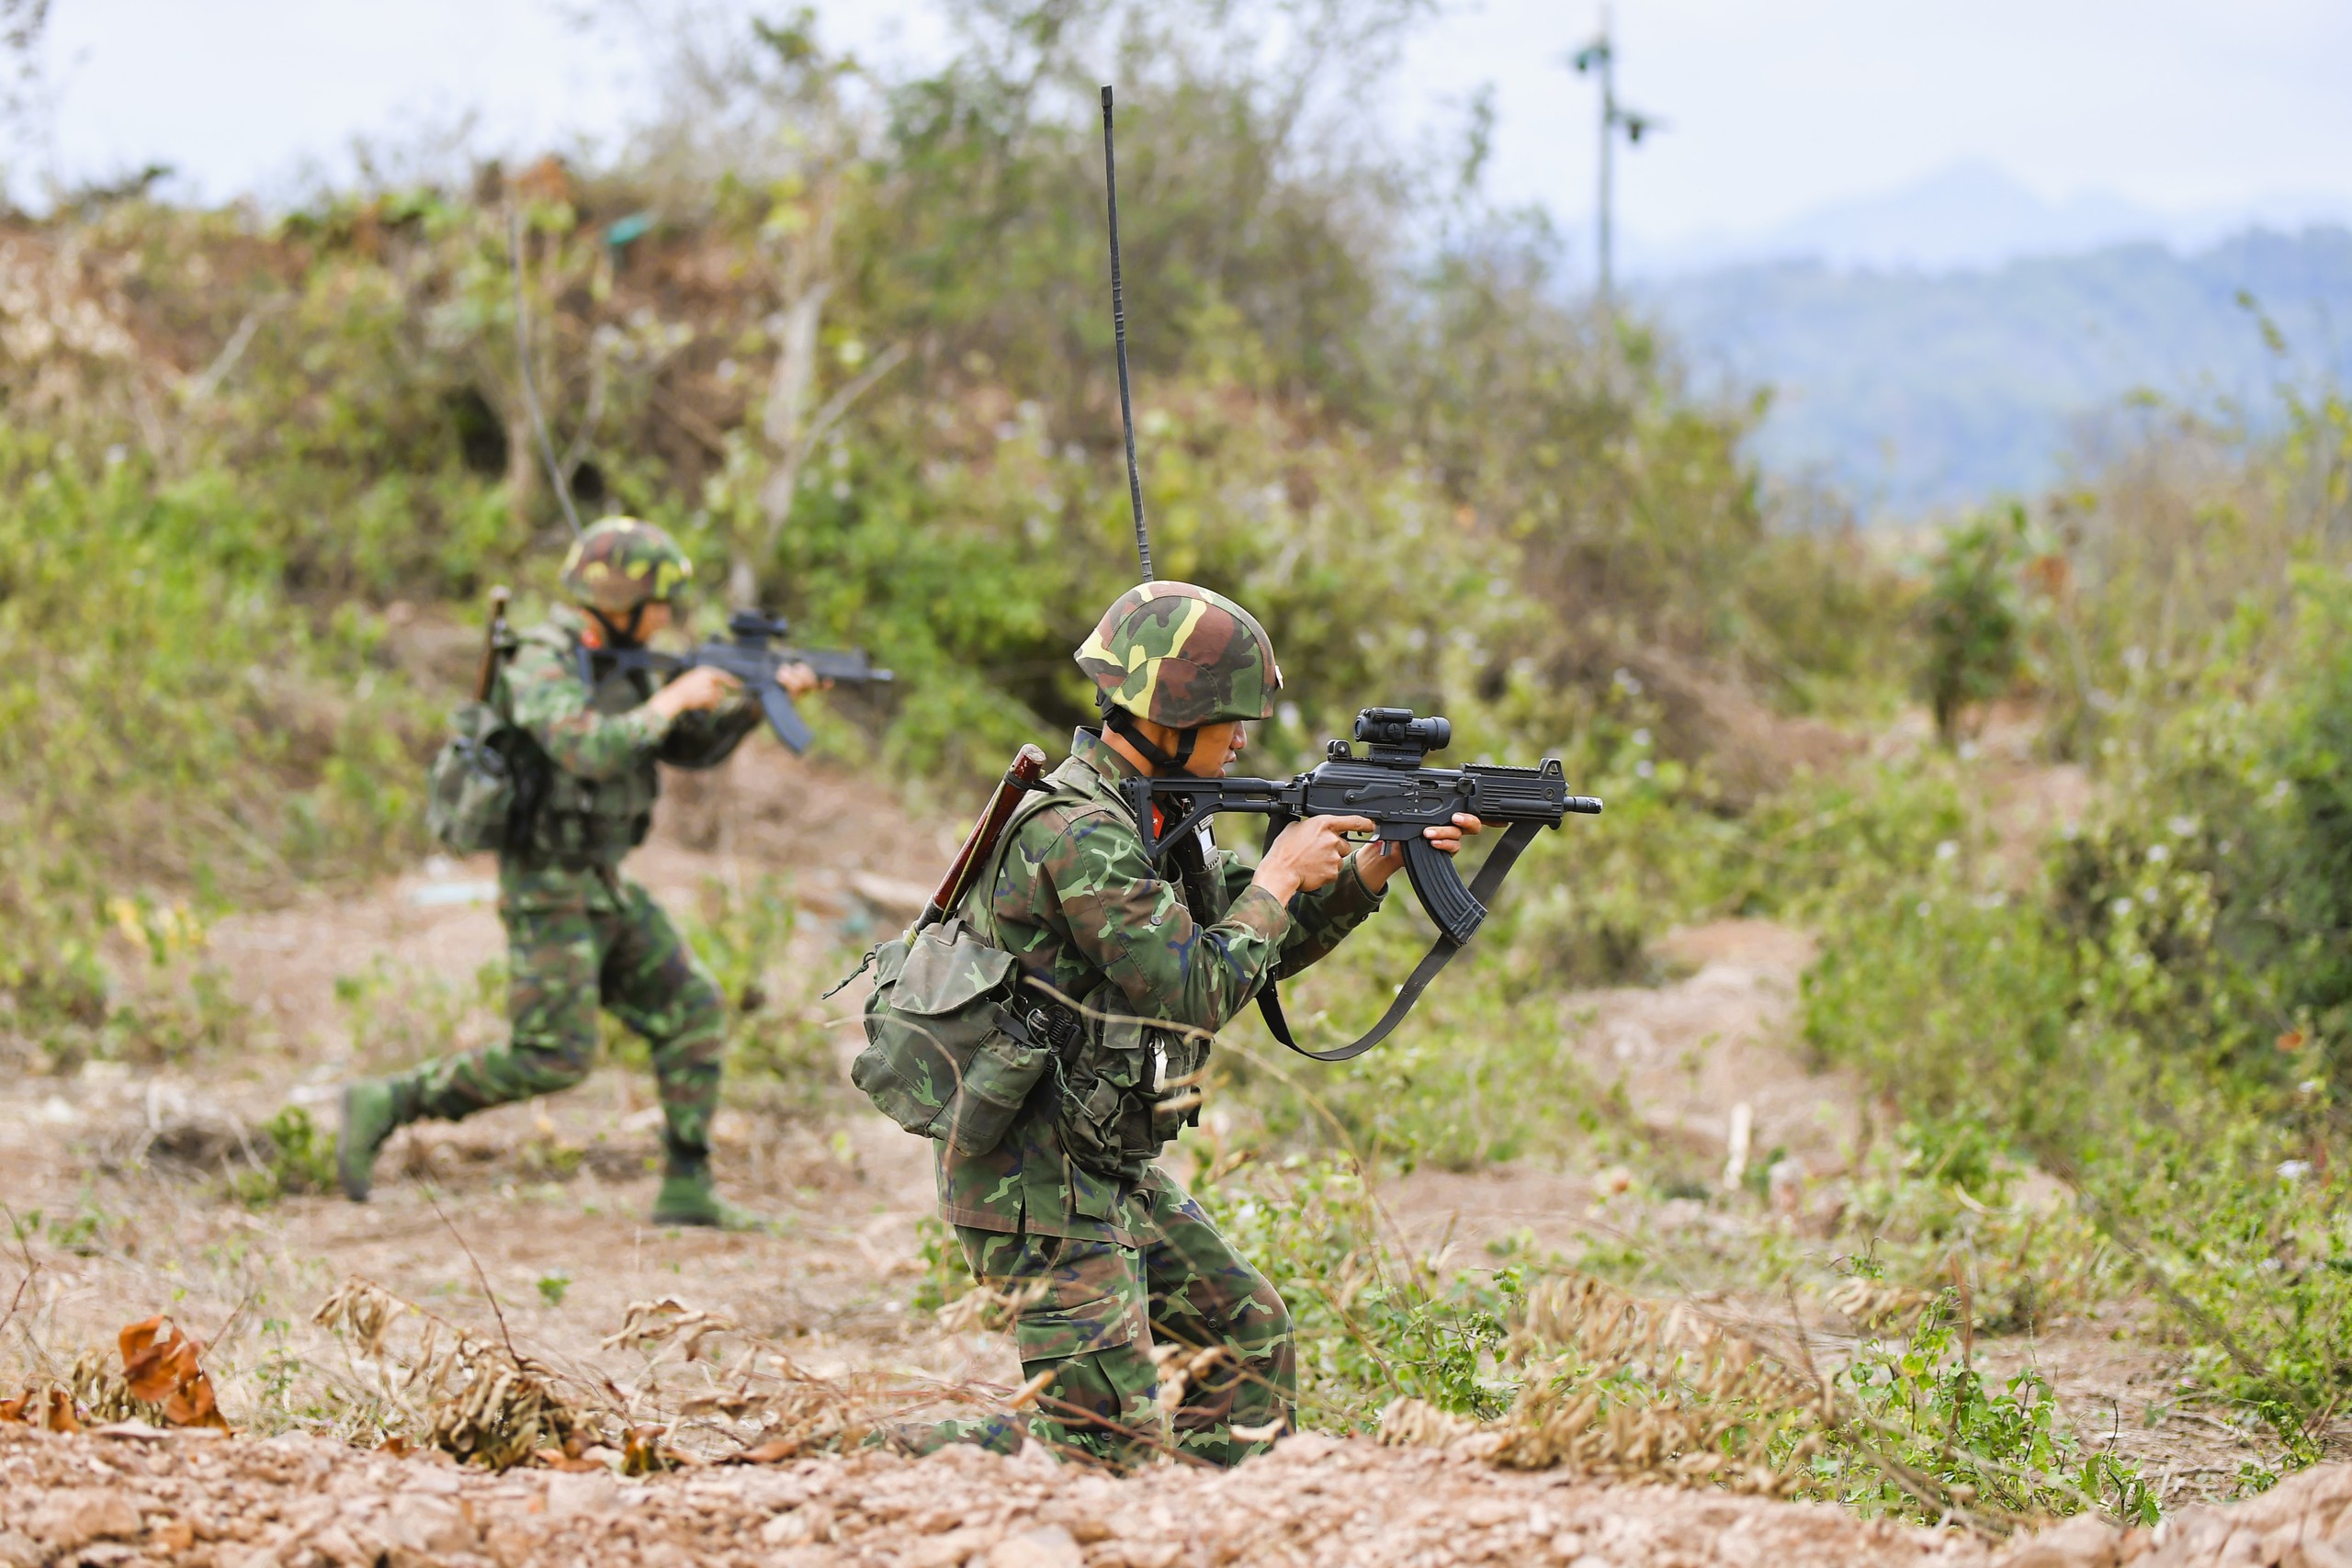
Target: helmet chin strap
column 1124, row 723
column 622, row 635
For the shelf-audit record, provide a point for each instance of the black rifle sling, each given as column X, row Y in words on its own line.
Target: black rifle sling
column 1490, row 877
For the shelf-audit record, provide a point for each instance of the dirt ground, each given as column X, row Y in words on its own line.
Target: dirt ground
column 130, row 1495
column 529, row 1218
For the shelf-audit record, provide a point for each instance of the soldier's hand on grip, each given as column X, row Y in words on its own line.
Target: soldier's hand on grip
column 1308, row 854
column 1376, row 863
column 698, row 689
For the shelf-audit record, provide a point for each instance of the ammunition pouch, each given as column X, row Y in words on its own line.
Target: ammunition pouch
column 592, row 821
column 485, row 784
column 951, row 1051
column 1133, row 1086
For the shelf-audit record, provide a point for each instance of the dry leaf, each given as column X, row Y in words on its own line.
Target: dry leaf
column 160, row 1366
column 476, row 1400
column 52, row 1409
column 774, row 1451
column 555, row 1459
column 644, row 1453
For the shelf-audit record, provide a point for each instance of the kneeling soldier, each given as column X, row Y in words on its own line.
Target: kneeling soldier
column 1068, row 1211
column 579, row 935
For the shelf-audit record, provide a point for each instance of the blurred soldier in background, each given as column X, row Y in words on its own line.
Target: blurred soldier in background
column 581, row 936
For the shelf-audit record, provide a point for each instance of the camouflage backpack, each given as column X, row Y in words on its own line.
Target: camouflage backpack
column 484, row 787
column 469, row 792
column 953, row 1047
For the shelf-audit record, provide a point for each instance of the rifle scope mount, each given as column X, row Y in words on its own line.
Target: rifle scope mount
column 1397, row 737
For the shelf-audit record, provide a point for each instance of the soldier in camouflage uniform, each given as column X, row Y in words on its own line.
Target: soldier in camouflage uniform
column 1069, row 1211
column 579, row 934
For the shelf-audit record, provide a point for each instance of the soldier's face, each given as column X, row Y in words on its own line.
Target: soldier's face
column 1217, row 748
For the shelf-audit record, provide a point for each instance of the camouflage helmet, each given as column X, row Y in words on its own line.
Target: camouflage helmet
column 1182, row 656
column 620, row 563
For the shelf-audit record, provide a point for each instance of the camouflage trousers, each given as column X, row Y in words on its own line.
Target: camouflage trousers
column 562, row 966
column 1223, row 1381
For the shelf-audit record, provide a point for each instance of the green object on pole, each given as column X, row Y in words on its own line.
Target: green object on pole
column 625, row 232
column 1601, row 55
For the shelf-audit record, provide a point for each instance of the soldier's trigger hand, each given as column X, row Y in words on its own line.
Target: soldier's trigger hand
column 1308, row 854
column 699, row 690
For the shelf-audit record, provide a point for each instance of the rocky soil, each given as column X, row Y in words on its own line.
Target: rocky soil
column 127, row 1495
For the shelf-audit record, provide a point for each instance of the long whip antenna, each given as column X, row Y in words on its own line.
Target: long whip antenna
column 1119, row 335
column 523, row 363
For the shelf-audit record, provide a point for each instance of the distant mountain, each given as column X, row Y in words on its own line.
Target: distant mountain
column 1970, row 214
column 1911, row 390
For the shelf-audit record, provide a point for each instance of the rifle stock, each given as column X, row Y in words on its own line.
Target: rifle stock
column 1028, row 768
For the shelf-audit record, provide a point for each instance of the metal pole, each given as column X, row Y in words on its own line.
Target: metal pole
column 1608, row 145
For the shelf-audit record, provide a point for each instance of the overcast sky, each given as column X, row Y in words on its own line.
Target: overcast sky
column 1772, row 109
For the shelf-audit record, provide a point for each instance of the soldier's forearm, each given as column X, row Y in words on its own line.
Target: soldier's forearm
column 597, row 746
column 1199, row 976
column 1319, row 919
column 703, row 739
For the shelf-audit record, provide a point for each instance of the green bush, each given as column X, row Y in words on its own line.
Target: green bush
column 1924, row 1405
column 1973, row 643
column 2164, row 1020
column 1372, row 1326
column 300, row 1159
column 169, row 728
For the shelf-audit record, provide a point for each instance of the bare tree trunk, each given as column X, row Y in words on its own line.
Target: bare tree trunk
column 783, row 423
column 522, row 469
column 786, row 416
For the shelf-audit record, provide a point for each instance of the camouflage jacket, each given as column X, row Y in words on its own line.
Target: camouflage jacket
column 1077, row 902
column 601, row 746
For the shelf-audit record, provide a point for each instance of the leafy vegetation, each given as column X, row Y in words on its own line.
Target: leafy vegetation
column 253, row 473
column 2158, row 1019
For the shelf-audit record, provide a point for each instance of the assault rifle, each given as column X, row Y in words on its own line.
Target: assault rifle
column 750, row 654
column 1389, row 785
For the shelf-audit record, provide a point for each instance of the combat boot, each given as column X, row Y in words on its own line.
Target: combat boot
column 689, row 1197
column 372, row 1109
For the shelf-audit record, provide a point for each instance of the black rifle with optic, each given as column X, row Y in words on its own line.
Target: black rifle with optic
column 752, row 652
column 1389, row 785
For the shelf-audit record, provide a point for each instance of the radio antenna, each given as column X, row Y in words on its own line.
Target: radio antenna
column 1119, row 335
column 523, row 363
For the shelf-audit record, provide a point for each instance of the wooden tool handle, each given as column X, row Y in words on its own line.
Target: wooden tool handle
column 1028, row 767
column 493, row 639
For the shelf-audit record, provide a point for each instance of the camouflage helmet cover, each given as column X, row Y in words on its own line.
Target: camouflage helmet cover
column 620, row 563
column 1182, row 656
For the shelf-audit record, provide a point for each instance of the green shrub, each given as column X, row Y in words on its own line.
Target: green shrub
column 1924, row 1405
column 1972, row 633
column 1372, row 1326
column 298, row 1157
